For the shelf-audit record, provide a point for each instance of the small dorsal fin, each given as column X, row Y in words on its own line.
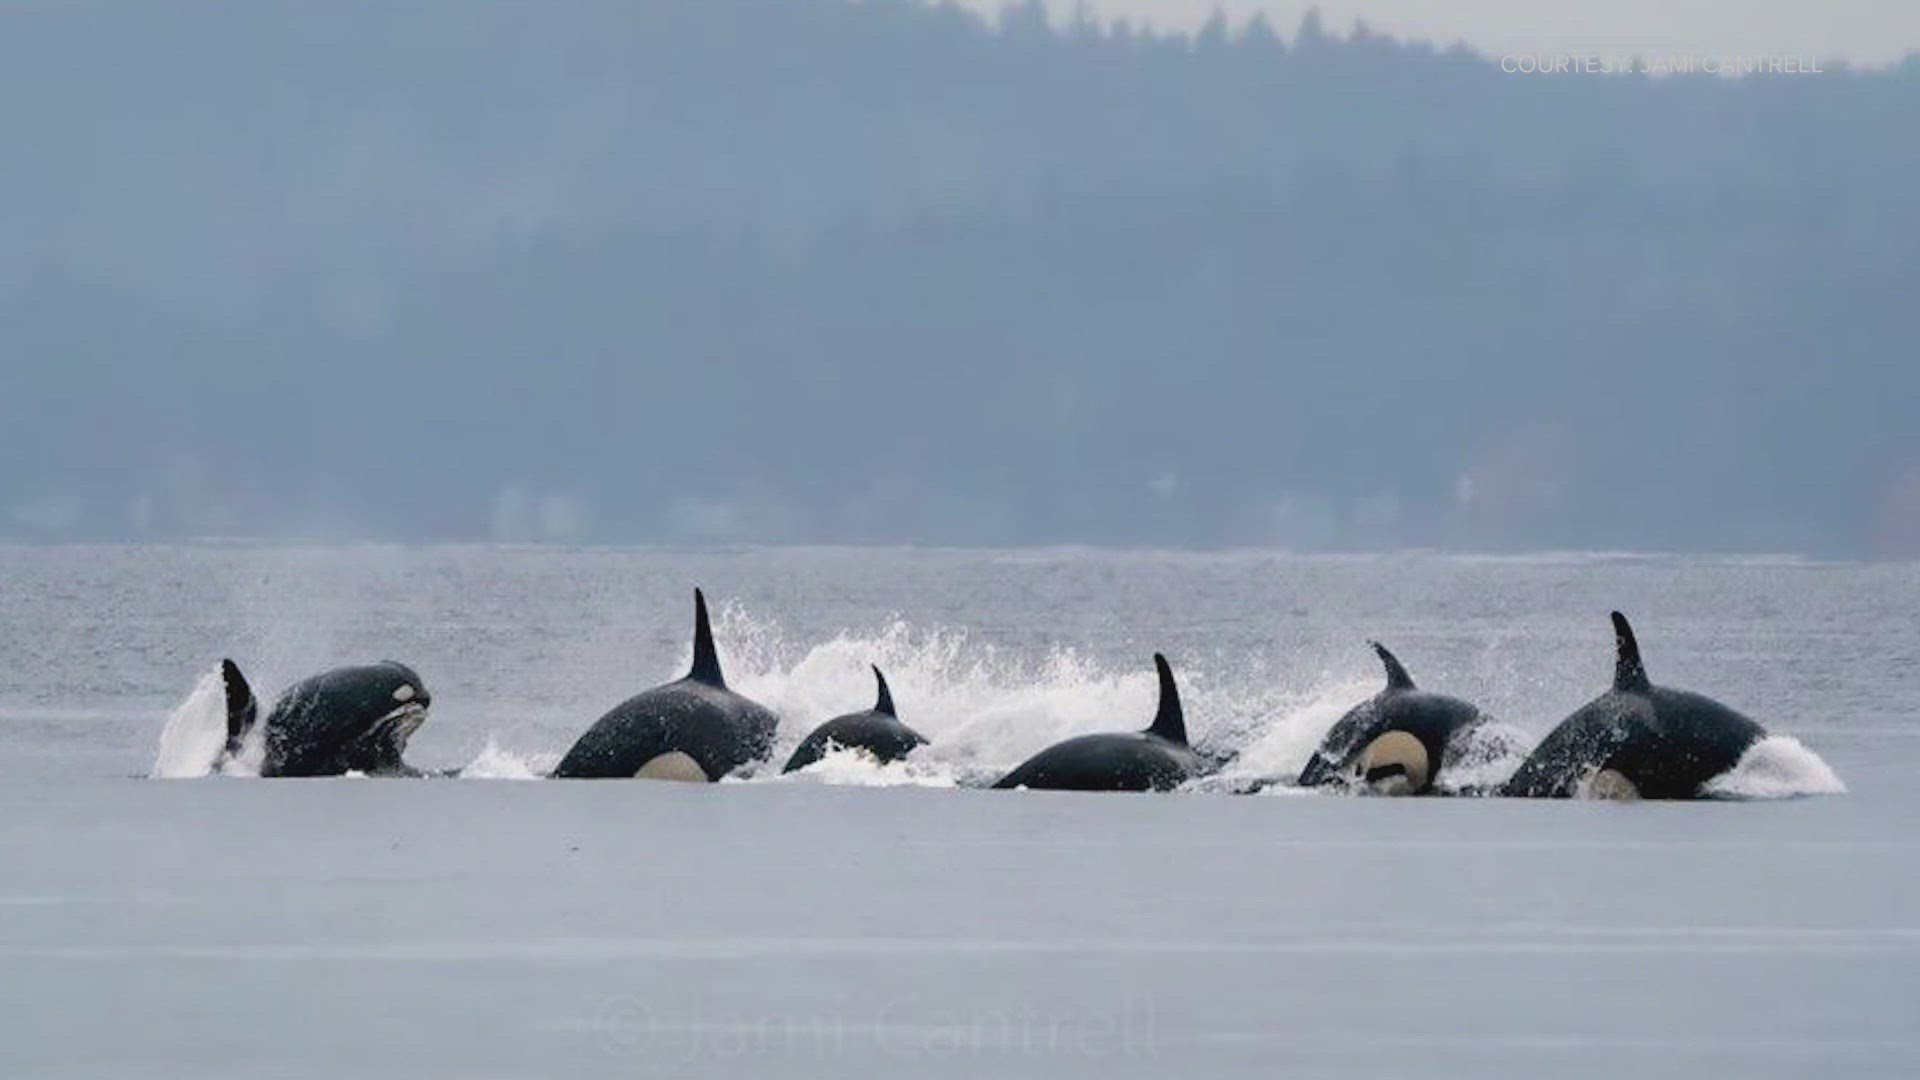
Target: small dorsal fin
column 706, row 662
column 1169, row 723
column 242, row 707
column 884, row 703
column 1397, row 677
column 1628, row 672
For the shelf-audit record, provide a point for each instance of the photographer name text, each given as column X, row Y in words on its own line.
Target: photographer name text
column 1686, row 64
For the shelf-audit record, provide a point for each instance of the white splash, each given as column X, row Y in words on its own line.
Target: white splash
column 1483, row 758
column 856, row 768
column 1776, row 767
column 196, row 733
column 1274, row 747
column 495, row 763
column 985, row 710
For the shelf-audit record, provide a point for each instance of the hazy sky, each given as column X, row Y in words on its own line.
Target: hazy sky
column 1858, row 29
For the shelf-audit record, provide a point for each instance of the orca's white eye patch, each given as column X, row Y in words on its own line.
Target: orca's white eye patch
column 673, row 765
column 404, row 693
column 1610, row 784
column 1395, row 763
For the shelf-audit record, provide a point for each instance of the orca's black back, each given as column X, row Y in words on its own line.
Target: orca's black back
column 883, row 736
column 718, row 729
column 1107, row 762
column 1667, row 742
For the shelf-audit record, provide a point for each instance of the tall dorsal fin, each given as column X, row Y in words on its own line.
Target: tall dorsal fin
column 1397, row 677
column 884, row 703
column 706, row 662
column 1169, row 723
column 242, row 707
column 1628, row 672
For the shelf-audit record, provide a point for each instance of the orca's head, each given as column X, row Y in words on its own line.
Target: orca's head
column 372, row 711
column 403, row 695
column 1367, row 750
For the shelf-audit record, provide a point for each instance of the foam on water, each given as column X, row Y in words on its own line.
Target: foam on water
column 986, row 711
column 1777, row 767
column 196, row 733
column 1483, row 758
column 495, row 763
column 1268, row 751
column 854, row 768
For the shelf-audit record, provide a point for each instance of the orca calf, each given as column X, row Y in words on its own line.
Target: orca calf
column 878, row 732
column 1637, row 740
column 1157, row 759
column 1395, row 742
column 693, row 729
column 350, row 719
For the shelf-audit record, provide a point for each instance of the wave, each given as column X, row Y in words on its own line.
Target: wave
column 1777, row 767
column 854, row 768
column 1482, row 758
column 986, row 710
column 196, row 732
column 495, row 763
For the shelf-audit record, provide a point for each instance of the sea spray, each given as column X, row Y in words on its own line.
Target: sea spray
column 856, row 768
column 986, row 710
column 495, row 763
column 1776, row 767
column 196, row 732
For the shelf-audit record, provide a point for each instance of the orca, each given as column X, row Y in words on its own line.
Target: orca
column 1157, row 759
column 1395, row 742
column 1636, row 741
column 877, row 732
column 692, row 729
column 350, row 719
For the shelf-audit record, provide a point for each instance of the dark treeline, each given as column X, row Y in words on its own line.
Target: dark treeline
column 816, row 270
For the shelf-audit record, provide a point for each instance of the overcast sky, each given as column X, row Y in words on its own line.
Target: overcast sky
column 1858, row 29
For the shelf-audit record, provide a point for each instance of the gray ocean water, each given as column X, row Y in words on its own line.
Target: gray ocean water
column 897, row 919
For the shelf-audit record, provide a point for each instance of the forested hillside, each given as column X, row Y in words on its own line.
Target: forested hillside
column 882, row 271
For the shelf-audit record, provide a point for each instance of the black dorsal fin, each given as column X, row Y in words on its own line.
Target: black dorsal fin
column 1397, row 677
column 884, row 703
column 706, row 662
column 1628, row 672
column 242, row 707
column 1169, row 723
